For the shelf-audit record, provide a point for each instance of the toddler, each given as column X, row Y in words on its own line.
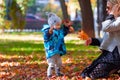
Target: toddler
column 54, row 42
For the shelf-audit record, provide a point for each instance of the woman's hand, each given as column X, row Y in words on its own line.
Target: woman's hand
column 88, row 41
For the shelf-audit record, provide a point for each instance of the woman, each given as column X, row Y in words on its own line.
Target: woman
column 109, row 61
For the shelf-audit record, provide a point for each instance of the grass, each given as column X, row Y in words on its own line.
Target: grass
column 22, row 57
column 20, row 43
column 22, row 33
column 26, row 47
column 25, row 52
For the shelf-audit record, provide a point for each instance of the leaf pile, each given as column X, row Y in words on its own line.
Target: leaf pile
column 34, row 67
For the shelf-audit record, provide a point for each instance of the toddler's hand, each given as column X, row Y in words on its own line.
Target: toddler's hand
column 51, row 29
column 71, row 29
column 67, row 23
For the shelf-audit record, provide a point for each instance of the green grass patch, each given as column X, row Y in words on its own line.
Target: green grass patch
column 21, row 46
column 34, row 47
column 23, row 33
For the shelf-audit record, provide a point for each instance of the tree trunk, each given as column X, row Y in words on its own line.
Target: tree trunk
column 64, row 9
column 101, row 13
column 87, row 17
column 8, row 3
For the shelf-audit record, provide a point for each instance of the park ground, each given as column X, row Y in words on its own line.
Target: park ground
column 22, row 57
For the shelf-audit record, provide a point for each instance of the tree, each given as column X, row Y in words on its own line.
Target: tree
column 64, row 9
column 31, row 3
column 15, row 13
column 2, row 15
column 101, row 13
column 87, row 17
column 31, row 7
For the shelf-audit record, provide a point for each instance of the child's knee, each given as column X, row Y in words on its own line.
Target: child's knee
column 51, row 65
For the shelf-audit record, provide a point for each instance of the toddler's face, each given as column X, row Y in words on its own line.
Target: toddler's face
column 58, row 25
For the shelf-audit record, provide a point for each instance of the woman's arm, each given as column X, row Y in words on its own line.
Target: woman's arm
column 113, row 20
column 111, row 26
column 93, row 41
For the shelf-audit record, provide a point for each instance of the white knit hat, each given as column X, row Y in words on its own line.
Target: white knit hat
column 53, row 19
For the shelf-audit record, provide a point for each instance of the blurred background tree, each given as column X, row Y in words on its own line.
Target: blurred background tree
column 31, row 7
column 17, row 16
column 13, row 12
column 64, row 9
column 101, row 13
column 87, row 17
column 2, row 14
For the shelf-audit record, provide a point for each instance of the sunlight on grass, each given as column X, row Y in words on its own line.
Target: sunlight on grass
column 28, row 43
column 26, row 49
column 78, row 45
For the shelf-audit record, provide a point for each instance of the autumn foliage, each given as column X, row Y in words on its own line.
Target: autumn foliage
column 23, row 58
column 82, row 35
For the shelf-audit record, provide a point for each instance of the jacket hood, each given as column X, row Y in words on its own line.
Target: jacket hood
column 45, row 27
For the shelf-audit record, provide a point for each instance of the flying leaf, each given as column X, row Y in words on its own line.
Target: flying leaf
column 82, row 35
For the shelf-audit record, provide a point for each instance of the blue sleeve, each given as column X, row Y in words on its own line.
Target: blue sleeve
column 65, row 30
column 46, row 35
